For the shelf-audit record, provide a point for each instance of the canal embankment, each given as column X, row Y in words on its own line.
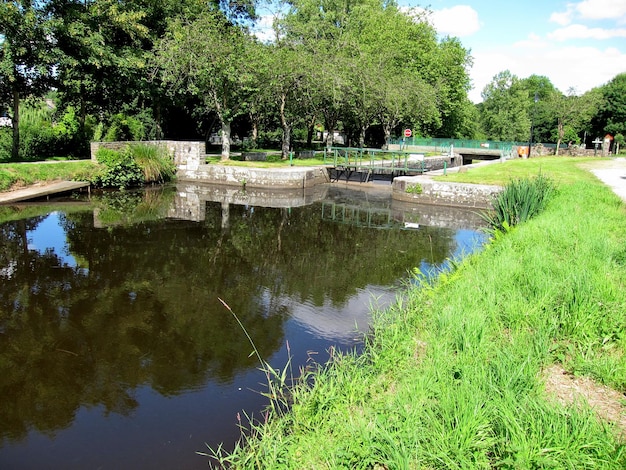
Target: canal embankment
column 476, row 369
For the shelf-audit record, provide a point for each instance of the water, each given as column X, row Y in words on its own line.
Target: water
column 116, row 350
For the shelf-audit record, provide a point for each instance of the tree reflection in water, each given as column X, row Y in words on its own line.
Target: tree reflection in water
column 139, row 307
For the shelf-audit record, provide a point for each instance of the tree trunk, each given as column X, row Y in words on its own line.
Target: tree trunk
column 387, row 131
column 286, row 128
column 561, row 132
column 254, row 120
column 15, row 149
column 310, row 132
column 225, row 139
column 362, row 130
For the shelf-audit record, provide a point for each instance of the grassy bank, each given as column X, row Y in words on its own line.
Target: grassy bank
column 13, row 175
column 454, row 376
column 563, row 170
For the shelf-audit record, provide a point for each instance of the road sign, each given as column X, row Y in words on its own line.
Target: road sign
column 407, row 132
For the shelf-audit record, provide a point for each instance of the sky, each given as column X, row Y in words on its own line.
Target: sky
column 578, row 45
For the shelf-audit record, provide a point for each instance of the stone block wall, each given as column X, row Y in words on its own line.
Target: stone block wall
column 187, row 154
column 426, row 191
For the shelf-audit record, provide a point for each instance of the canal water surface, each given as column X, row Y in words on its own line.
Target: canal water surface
column 116, row 350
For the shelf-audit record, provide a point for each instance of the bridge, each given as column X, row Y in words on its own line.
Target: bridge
column 365, row 163
column 468, row 149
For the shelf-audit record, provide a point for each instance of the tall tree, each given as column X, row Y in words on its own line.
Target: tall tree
column 504, row 110
column 25, row 60
column 208, row 58
column 611, row 113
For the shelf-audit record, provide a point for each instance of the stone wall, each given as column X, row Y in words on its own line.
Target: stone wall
column 427, row 191
column 246, row 177
column 438, row 162
column 187, row 154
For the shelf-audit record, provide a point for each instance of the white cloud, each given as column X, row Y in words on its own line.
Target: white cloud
column 602, row 9
column 458, row 21
column 533, row 42
column 263, row 29
column 566, row 67
column 578, row 31
column 563, row 18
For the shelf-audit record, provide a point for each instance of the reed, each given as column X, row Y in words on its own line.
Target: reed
column 155, row 162
column 519, row 201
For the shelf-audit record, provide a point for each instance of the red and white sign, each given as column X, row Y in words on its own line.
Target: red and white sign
column 407, row 132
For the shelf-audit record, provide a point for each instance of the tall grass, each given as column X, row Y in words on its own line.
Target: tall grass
column 451, row 375
column 519, row 201
column 155, row 162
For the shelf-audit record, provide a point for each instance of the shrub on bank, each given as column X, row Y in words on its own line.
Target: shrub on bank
column 135, row 165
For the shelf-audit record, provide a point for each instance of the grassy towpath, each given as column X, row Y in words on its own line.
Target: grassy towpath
column 515, row 359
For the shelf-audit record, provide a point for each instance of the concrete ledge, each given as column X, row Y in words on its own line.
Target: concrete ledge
column 443, row 193
column 278, row 178
column 254, row 156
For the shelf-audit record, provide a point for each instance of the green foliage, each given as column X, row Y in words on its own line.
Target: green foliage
column 156, row 164
column 120, row 170
column 519, row 201
column 414, row 189
column 124, row 128
column 611, row 112
column 505, row 108
column 45, row 134
column 134, row 165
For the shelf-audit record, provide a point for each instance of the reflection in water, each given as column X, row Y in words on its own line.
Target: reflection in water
column 114, row 348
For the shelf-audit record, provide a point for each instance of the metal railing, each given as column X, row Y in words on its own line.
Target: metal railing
column 374, row 159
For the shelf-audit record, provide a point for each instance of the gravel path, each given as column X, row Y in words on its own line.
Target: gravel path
column 613, row 174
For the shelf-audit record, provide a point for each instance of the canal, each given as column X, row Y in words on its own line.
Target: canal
column 116, row 350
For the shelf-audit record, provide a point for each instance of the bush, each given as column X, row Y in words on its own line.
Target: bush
column 520, row 200
column 121, row 171
column 135, row 165
column 44, row 135
column 124, row 128
column 157, row 166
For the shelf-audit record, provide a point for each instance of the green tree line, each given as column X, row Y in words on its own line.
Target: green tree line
column 181, row 69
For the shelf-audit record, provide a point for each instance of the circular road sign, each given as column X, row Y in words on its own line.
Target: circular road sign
column 407, row 132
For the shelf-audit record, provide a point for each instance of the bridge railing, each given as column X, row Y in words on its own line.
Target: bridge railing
column 444, row 143
column 374, row 159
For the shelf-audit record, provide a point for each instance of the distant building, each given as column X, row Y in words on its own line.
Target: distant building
column 5, row 120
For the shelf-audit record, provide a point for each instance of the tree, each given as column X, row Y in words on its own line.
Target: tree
column 571, row 112
column 611, row 113
column 208, row 58
column 504, row 110
column 25, row 60
column 102, row 48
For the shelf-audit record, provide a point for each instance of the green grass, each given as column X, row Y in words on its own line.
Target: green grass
column 22, row 174
column 273, row 161
column 562, row 170
column 451, row 376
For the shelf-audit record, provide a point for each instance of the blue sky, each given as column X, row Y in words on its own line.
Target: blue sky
column 576, row 44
